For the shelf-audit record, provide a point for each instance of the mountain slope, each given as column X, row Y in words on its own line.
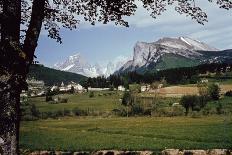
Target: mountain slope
column 77, row 64
column 172, row 53
column 52, row 76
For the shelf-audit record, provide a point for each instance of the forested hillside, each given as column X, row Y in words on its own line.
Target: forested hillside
column 52, row 76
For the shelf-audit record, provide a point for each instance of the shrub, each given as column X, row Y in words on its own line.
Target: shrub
column 137, row 109
column 219, row 108
column 214, row 91
column 126, row 99
column 48, row 114
column 206, row 110
column 79, row 112
column 229, row 93
column 177, row 111
column 91, row 94
column 120, row 112
column 72, row 90
column 48, row 98
column 111, row 88
column 29, row 118
column 189, row 101
column 34, row 111
column 195, row 114
column 203, row 100
column 62, row 100
column 66, row 112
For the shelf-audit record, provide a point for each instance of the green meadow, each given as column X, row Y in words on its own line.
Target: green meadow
column 133, row 133
column 102, row 102
column 104, row 130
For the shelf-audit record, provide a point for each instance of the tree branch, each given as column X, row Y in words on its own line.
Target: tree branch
column 34, row 29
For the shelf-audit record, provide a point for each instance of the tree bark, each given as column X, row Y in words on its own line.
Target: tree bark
column 33, row 32
column 14, row 66
column 9, row 78
column 10, row 119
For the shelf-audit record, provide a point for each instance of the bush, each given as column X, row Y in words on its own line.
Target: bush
column 206, row 110
column 29, row 118
column 214, row 91
column 126, row 99
column 72, row 91
column 91, row 94
column 137, row 109
column 66, row 112
column 62, row 100
column 219, row 108
column 120, row 112
column 79, row 112
column 177, row 111
column 48, row 98
column 195, row 114
column 111, row 88
column 34, row 111
column 229, row 93
column 189, row 101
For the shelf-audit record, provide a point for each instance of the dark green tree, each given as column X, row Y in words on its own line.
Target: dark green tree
column 214, row 91
column 189, row 101
column 127, row 98
column 34, row 111
column 91, row 94
column 72, row 90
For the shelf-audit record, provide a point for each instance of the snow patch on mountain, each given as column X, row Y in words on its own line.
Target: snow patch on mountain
column 68, row 67
column 77, row 64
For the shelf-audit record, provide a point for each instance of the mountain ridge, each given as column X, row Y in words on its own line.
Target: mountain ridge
column 77, row 64
column 52, row 76
column 148, row 56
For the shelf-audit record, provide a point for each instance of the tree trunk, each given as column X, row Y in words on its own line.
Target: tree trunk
column 10, row 80
column 9, row 114
column 14, row 66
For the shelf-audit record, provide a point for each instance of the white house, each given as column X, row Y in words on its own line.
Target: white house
column 76, row 86
column 62, row 87
column 160, row 86
column 121, row 88
column 204, row 81
column 35, row 87
column 175, row 104
column 145, row 88
column 54, row 88
column 98, row 89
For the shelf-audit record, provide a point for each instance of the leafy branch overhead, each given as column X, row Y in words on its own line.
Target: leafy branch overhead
column 69, row 13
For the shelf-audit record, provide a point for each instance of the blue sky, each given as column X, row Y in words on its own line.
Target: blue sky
column 103, row 43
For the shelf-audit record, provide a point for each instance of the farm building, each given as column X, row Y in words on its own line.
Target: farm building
column 121, row 88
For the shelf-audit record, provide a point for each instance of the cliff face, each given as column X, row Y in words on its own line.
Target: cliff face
column 149, row 55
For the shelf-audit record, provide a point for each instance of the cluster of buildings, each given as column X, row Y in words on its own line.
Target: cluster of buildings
column 35, row 88
column 72, row 86
column 38, row 88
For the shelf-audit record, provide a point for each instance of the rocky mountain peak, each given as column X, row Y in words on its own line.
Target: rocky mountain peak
column 77, row 64
column 146, row 54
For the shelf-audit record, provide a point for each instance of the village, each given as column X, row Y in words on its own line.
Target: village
column 37, row 88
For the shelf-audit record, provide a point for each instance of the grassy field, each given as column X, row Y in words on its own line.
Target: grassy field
column 103, row 102
column 198, row 131
column 133, row 133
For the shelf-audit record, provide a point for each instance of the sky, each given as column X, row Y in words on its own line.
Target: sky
column 103, row 43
